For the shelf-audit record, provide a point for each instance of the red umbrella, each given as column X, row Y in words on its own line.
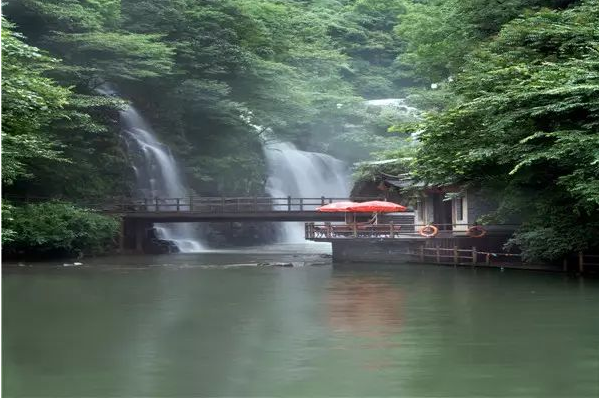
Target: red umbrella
column 376, row 206
column 337, row 207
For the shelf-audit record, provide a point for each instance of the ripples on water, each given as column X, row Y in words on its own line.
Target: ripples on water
column 217, row 324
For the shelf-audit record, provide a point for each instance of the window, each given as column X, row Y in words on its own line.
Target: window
column 459, row 208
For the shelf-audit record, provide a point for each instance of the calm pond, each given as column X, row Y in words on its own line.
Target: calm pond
column 214, row 324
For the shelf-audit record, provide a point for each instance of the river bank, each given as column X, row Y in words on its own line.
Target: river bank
column 296, row 254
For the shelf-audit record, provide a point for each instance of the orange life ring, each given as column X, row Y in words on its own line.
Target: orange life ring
column 476, row 231
column 428, row 231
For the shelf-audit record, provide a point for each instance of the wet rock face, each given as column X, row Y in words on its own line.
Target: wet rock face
column 160, row 246
column 154, row 244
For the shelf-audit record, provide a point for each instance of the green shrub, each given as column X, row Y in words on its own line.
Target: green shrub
column 56, row 229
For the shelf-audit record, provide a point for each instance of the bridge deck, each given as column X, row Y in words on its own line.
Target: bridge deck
column 266, row 216
column 202, row 209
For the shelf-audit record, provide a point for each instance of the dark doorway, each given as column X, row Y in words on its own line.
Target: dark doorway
column 442, row 212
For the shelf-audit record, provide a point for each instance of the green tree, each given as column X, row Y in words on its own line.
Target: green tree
column 364, row 31
column 439, row 34
column 30, row 103
column 55, row 228
column 526, row 125
column 113, row 56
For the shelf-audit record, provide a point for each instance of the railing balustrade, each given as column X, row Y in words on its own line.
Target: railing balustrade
column 390, row 230
column 198, row 204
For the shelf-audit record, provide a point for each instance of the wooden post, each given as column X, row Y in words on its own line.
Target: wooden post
column 474, row 255
column 456, row 257
column 580, row 262
column 488, row 259
column 288, row 203
column 322, row 200
column 178, row 204
column 355, row 226
column 421, row 253
column 301, row 204
column 391, row 230
column 438, row 255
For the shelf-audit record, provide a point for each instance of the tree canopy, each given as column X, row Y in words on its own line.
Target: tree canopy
column 30, row 103
column 507, row 92
column 525, row 124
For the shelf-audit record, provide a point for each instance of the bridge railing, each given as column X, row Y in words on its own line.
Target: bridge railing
column 220, row 204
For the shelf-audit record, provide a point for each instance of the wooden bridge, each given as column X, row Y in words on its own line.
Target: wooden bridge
column 139, row 215
column 218, row 209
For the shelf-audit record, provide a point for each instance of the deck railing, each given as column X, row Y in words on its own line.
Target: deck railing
column 357, row 230
column 202, row 204
column 455, row 255
column 389, row 230
column 252, row 204
column 583, row 260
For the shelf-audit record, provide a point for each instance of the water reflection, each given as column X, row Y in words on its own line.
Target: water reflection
column 364, row 306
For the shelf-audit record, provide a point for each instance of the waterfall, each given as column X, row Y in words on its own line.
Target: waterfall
column 157, row 174
column 397, row 104
column 296, row 173
column 399, row 107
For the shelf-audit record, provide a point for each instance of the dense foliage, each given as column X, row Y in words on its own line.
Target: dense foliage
column 205, row 72
column 55, row 228
column 30, row 102
column 524, row 123
column 509, row 87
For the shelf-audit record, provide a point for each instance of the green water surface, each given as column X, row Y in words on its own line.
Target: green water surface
column 194, row 325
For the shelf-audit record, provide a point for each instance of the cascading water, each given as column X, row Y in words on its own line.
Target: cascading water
column 399, row 107
column 298, row 173
column 398, row 103
column 157, row 174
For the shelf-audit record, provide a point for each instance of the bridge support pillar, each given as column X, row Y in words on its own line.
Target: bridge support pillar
column 122, row 231
column 134, row 234
column 139, row 237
